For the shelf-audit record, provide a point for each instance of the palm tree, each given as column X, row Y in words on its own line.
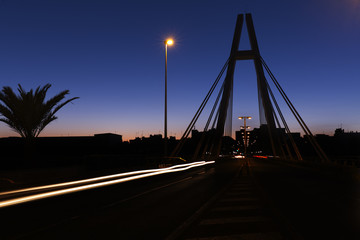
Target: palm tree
column 28, row 113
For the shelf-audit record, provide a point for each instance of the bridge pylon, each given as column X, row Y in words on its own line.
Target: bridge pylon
column 209, row 142
column 265, row 107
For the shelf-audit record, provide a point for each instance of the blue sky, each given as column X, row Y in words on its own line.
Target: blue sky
column 111, row 55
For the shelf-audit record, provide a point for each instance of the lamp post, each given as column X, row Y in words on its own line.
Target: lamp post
column 167, row 42
column 245, row 135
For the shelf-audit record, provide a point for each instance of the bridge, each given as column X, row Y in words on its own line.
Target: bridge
column 270, row 191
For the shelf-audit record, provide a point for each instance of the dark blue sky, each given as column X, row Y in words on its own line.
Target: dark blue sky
column 111, row 55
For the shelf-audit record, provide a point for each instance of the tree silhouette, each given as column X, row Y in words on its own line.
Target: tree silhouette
column 28, row 113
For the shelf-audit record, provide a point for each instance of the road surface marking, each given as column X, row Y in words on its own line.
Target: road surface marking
column 239, row 199
column 146, row 192
column 236, row 208
column 245, row 236
column 252, row 219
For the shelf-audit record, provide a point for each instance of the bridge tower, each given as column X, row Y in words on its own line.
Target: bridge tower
column 265, row 107
column 210, row 142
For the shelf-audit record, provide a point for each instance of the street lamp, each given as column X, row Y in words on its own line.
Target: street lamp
column 168, row 42
column 245, row 127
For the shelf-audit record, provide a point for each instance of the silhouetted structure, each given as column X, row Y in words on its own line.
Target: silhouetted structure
column 271, row 134
column 28, row 113
column 98, row 151
column 341, row 144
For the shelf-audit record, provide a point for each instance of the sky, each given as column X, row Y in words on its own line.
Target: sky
column 111, row 55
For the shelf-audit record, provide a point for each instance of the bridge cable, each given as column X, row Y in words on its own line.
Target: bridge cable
column 278, row 132
column 296, row 115
column 205, row 131
column 199, row 111
column 301, row 122
column 287, row 129
column 214, row 107
column 303, row 126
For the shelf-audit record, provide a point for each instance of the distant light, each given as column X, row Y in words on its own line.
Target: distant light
column 169, row 42
column 246, row 117
column 259, row 156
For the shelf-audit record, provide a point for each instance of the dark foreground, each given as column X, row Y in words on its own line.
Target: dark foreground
column 268, row 200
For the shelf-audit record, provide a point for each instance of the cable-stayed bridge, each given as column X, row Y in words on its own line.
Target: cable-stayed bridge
column 272, row 120
column 208, row 197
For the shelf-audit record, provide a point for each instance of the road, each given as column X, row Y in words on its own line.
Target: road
column 318, row 203
column 148, row 208
column 273, row 200
column 279, row 200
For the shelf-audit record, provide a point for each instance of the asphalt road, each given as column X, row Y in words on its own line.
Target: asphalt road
column 278, row 200
column 149, row 208
column 300, row 203
column 317, row 203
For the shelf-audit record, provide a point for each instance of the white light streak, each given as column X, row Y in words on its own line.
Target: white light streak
column 29, row 198
column 93, row 179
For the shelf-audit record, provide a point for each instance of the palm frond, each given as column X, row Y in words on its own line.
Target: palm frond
column 28, row 113
column 63, row 104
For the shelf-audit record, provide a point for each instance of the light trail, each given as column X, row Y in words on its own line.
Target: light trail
column 20, row 200
column 94, row 179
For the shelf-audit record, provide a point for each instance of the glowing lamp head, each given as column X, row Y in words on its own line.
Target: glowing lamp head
column 246, row 117
column 169, row 42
